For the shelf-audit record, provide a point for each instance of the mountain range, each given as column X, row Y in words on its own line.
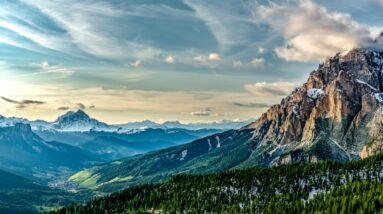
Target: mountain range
column 51, row 151
column 79, row 121
column 335, row 115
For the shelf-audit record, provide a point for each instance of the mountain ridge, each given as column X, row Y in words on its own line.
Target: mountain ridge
column 332, row 116
column 79, row 121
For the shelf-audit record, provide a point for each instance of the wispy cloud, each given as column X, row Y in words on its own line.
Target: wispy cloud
column 211, row 57
column 251, row 105
column 220, row 22
column 46, row 68
column 75, row 106
column 170, row 59
column 256, row 62
column 205, row 113
column 22, row 104
column 136, row 63
column 273, row 88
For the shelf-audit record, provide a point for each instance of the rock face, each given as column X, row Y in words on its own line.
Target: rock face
column 372, row 148
column 332, row 116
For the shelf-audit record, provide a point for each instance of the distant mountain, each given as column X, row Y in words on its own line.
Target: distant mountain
column 79, row 121
column 104, row 142
column 111, row 145
column 222, row 125
column 337, row 114
column 23, row 151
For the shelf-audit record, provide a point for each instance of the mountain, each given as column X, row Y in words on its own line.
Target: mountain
column 114, row 145
column 74, row 141
column 23, row 151
column 335, row 115
column 325, row 187
column 332, row 116
column 222, row 125
column 78, row 121
column 110, row 142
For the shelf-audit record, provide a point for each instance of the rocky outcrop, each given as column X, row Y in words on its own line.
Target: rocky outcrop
column 372, row 148
column 340, row 103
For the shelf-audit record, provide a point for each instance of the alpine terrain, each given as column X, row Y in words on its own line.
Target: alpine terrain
column 335, row 115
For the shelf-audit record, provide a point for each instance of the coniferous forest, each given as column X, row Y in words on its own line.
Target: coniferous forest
column 325, row 187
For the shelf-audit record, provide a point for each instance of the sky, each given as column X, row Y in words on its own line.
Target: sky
column 186, row 60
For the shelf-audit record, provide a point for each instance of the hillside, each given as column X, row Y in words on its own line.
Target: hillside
column 329, row 187
column 23, row 151
column 332, row 116
column 20, row 195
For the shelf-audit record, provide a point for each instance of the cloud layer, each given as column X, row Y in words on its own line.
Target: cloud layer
column 311, row 31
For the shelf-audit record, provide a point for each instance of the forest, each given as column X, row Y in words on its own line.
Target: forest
column 324, row 187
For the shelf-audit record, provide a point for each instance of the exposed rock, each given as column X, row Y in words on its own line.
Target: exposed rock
column 340, row 102
column 372, row 148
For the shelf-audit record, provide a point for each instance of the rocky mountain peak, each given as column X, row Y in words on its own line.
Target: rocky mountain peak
column 339, row 103
column 78, row 121
column 73, row 116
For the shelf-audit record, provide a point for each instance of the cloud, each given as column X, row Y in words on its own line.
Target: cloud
column 170, row 59
column 273, row 89
column 217, row 21
column 251, row 105
column 23, row 103
column 75, row 106
column 136, row 63
column 46, row 68
column 257, row 61
column 312, row 32
column 214, row 57
column 63, row 108
column 205, row 113
column 261, row 50
column 201, row 113
column 211, row 57
column 254, row 62
column 87, row 31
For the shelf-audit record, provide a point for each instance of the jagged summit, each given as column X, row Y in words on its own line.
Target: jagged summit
column 73, row 116
column 78, row 121
column 338, row 107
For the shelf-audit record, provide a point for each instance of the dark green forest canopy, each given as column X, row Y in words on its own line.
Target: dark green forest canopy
column 328, row 186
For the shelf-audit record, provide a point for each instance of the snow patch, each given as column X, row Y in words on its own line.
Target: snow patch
column 210, row 147
column 184, row 154
column 379, row 98
column 314, row 93
column 313, row 193
column 364, row 83
column 218, row 141
column 36, row 148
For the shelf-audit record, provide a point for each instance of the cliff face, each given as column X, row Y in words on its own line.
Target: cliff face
column 332, row 116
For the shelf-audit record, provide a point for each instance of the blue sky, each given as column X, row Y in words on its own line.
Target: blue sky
column 188, row 60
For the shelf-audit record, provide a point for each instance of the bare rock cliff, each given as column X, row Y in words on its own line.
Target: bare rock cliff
column 332, row 116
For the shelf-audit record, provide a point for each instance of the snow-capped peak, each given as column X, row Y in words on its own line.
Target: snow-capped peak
column 78, row 121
